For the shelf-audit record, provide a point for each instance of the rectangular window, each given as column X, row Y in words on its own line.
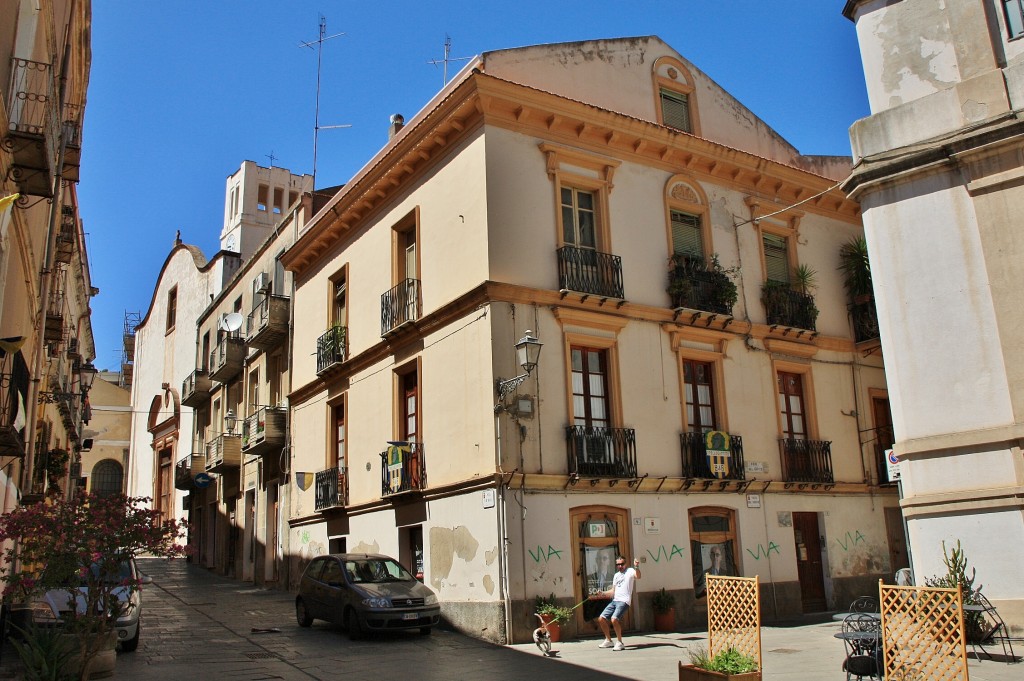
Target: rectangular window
column 579, row 224
column 1014, row 12
column 699, row 395
column 410, row 407
column 776, row 258
column 262, row 197
column 339, row 437
column 292, row 198
column 687, row 237
column 712, row 544
column 791, row 406
column 278, row 200
column 339, row 304
column 205, row 357
column 590, row 388
column 675, row 110
column 172, row 307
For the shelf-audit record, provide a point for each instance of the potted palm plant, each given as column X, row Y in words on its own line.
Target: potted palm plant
column 663, row 604
column 727, row 664
column 856, row 270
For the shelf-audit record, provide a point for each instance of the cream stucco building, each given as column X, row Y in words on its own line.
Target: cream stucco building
column 543, row 191
column 938, row 174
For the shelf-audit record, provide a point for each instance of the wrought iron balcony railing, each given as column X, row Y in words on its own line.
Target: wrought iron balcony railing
column 696, row 463
column 806, row 460
column 692, row 284
column 331, row 348
column 331, row 489
column 263, row 431
column 267, row 324
column 865, row 321
column 601, row 452
column 403, row 469
column 399, row 305
column 786, row 307
column 588, row 271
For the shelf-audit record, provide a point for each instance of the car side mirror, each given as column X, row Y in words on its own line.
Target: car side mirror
column 146, row 579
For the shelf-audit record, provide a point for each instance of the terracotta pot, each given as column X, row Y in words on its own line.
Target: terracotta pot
column 554, row 628
column 687, row 672
column 665, row 621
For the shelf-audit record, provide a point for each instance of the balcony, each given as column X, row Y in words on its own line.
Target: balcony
column 227, row 358
column 267, row 325
column 806, row 460
column 264, row 431
column 601, row 452
column 331, row 348
column 695, row 284
column 224, row 453
column 195, row 390
column 589, row 272
column 697, row 463
column 400, row 305
column 865, row 321
column 56, row 305
column 331, row 489
column 402, row 469
column 788, row 308
column 12, row 431
column 65, row 244
column 186, row 470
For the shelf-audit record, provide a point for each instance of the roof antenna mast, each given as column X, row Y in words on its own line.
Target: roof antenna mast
column 319, row 42
column 447, row 58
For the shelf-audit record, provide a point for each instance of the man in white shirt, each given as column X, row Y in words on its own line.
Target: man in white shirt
column 621, row 594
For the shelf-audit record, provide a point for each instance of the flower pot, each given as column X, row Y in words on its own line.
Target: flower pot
column 103, row 662
column 665, row 621
column 554, row 628
column 687, row 672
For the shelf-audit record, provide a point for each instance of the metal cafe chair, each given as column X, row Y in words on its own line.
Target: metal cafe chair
column 864, row 604
column 861, row 636
column 994, row 629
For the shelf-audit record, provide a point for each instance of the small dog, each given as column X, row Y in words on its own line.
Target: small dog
column 542, row 638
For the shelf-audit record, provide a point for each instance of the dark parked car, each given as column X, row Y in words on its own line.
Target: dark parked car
column 364, row 592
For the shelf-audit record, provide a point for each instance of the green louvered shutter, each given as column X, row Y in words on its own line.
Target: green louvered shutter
column 776, row 258
column 675, row 110
column 686, row 234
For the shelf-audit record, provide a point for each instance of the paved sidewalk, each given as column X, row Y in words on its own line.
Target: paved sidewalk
column 199, row 626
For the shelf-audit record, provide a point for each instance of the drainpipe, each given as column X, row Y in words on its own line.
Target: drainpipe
column 502, row 528
column 44, row 274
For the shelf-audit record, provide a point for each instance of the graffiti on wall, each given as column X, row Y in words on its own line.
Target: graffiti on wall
column 666, row 553
column 851, row 539
column 545, row 555
column 763, row 552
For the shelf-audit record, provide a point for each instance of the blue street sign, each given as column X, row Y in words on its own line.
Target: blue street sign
column 203, row 480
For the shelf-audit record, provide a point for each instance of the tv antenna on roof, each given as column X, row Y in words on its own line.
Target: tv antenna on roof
column 319, row 42
column 447, row 58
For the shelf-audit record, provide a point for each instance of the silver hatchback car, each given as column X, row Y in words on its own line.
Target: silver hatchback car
column 364, row 592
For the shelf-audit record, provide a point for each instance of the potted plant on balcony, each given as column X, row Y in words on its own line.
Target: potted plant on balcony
column 664, row 604
column 856, row 270
column 552, row 614
column 680, row 284
column 727, row 664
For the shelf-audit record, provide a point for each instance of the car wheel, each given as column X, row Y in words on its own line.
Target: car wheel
column 355, row 632
column 130, row 645
column 302, row 615
column 425, row 631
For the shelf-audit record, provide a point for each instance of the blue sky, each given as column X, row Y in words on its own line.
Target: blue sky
column 182, row 92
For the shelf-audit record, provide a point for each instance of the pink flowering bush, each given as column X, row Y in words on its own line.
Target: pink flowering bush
column 83, row 542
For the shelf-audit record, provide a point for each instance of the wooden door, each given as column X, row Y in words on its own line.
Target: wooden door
column 600, row 534
column 897, row 537
column 808, row 561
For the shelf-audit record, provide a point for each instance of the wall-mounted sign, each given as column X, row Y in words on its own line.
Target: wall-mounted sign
column 203, row 480
column 652, row 525
column 893, row 464
column 757, row 467
column 597, row 529
column 753, row 501
column 488, row 498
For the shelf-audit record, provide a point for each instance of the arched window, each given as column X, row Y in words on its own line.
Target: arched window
column 107, row 478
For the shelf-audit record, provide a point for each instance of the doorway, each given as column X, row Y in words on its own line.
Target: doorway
column 249, row 548
column 897, row 538
column 809, row 565
column 600, row 534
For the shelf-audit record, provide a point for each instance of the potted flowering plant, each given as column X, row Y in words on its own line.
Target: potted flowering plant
column 73, row 552
column 727, row 664
column 552, row 614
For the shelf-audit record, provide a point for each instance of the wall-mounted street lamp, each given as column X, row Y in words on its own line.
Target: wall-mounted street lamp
column 527, row 353
column 87, row 376
column 230, row 420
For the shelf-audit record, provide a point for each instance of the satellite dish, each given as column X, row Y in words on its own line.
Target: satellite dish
column 232, row 321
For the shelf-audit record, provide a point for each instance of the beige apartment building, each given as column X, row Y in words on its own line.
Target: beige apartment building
column 106, row 440
column 701, row 387
column 46, row 341
column 938, row 175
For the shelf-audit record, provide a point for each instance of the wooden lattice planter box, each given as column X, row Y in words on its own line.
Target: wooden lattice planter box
column 687, row 672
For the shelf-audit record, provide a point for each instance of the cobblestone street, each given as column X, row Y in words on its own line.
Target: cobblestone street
column 198, row 626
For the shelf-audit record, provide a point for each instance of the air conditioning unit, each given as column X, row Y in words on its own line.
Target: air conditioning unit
column 261, row 284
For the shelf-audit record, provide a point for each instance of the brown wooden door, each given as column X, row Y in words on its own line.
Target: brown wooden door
column 600, row 534
column 897, row 538
column 808, row 561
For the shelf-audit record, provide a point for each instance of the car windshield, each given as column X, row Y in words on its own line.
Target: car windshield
column 375, row 571
column 82, row 579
